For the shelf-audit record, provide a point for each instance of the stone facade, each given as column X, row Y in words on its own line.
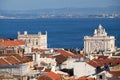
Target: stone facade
column 99, row 41
column 34, row 40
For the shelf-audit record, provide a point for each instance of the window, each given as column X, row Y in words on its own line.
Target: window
column 36, row 43
column 100, row 77
column 1, row 52
column 29, row 40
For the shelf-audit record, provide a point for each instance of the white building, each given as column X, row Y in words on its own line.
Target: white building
column 38, row 59
column 33, row 40
column 17, row 70
column 99, row 41
column 68, row 64
column 83, row 69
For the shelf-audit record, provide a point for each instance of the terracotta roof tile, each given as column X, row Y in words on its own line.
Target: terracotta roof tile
column 115, row 73
column 82, row 78
column 72, row 79
column 81, row 55
column 40, row 50
column 114, row 78
column 54, row 76
column 101, row 62
column 94, row 64
column 85, row 78
column 12, row 43
column 102, row 57
column 65, row 53
column 14, row 59
column 23, row 59
column 47, row 70
column 44, row 77
column 91, row 78
column 60, row 59
column 3, row 62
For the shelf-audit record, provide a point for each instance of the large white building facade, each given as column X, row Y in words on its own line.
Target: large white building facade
column 34, row 40
column 100, row 41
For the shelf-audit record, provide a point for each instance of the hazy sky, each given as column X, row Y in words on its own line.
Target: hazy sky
column 42, row 4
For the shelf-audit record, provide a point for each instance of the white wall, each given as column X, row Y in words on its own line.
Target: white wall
column 27, row 50
column 83, row 69
column 37, row 59
column 43, row 41
column 50, row 61
column 21, row 69
column 69, row 63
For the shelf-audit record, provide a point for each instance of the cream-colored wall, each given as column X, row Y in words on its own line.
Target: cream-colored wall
column 91, row 44
column 33, row 40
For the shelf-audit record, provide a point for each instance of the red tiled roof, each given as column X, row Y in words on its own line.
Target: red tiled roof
column 81, row 55
column 14, row 59
column 54, row 76
column 101, row 62
column 114, row 78
column 102, row 57
column 40, row 50
column 60, row 59
column 47, row 70
column 82, row 78
column 3, row 62
column 65, row 53
column 94, row 64
column 72, row 79
column 91, row 78
column 115, row 73
column 11, row 60
column 85, row 78
column 23, row 59
column 44, row 77
column 11, row 43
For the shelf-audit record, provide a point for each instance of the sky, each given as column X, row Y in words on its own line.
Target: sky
column 43, row 4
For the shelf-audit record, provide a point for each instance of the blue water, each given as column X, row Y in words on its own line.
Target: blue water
column 62, row 33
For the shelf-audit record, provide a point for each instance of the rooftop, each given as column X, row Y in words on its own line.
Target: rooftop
column 64, row 53
column 53, row 75
column 12, row 59
column 101, row 62
column 44, row 77
column 11, row 42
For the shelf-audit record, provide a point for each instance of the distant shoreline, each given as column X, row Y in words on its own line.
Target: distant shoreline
column 64, row 18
